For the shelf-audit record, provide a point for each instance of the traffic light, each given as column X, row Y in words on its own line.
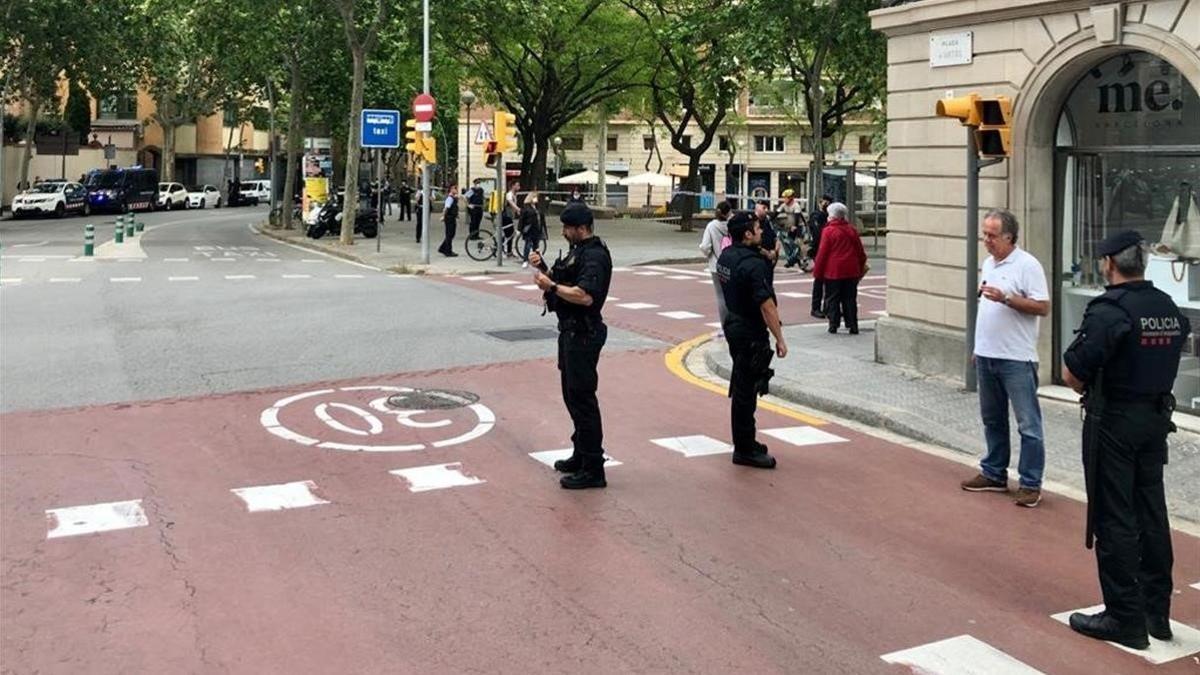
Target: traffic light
column 993, row 137
column 505, row 124
column 414, row 144
column 429, row 149
column 490, row 157
column 962, row 108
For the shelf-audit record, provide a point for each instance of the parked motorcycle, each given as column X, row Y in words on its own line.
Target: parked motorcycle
column 329, row 220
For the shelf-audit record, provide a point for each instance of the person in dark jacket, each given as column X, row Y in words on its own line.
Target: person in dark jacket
column 406, row 205
column 816, row 223
column 841, row 262
column 532, row 226
column 475, row 201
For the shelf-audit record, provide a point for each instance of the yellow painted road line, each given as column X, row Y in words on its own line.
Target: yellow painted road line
column 675, row 363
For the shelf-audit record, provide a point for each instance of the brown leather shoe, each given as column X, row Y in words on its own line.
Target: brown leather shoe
column 1028, row 497
column 981, row 483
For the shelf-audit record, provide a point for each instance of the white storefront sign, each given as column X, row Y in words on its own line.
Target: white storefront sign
column 950, row 49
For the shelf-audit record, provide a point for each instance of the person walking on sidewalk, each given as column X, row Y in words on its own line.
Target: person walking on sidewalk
column 816, row 224
column 532, row 226
column 575, row 289
column 420, row 202
column 450, row 220
column 840, row 264
column 475, row 201
column 406, row 207
column 745, row 279
column 715, row 240
column 510, row 212
column 1012, row 295
column 1124, row 360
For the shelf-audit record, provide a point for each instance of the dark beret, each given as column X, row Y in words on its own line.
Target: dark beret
column 1117, row 242
column 576, row 214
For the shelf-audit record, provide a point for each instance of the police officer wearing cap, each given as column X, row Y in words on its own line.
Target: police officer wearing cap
column 1124, row 360
column 745, row 277
column 575, row 289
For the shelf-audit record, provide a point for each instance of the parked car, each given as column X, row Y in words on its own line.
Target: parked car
column 259, row 191
column 172, row 196
column 58, row 197
column 204, row 196
column 123, row 189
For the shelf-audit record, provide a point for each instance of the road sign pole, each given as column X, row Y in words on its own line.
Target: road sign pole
column 425, row 165
column 503, row 190
column 379, row 199
column 972, row 235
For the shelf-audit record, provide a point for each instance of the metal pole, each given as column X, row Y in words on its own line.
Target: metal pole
column 875, row 209
column 467, row 182
column 972, row 240
column 378, row 199
column 425, row 166
column 502, row 190
column 602, row 163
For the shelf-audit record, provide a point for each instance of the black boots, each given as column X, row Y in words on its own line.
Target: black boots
column 757, row 457
column 1159, row 627
column 1104, row 627
column 588, row 473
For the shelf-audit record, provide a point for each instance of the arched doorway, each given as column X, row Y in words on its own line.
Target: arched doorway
column 1126, row 153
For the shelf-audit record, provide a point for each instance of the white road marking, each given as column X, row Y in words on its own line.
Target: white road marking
column 222, row 259
column 879, row 312
column 527, row 287
column 708, row 282
column 233, row 277
column 611, row 298
column 82, row 259
column 347, row 276
column 782, row 282
column 1196, row 585
column 680, row 274
column 10, row 280
column 622, row 269
column 1185, row 643
column 65, row 280
column 681, row 277
column 694, row 446
column 504, row 282
column 122, row 280
column 175, row 259
column 638, row 305
column 715, row 324
column 649, row 273
column 804, row 435
column 789, row 294
column 279, row 497
column 479, row 277
column 129, row 260
column 267, row 260
column 40, row 243
column 549, row 457
column 311, row 260
column 75, row 520
column 297, row 276
column 31, row 259
column 680, row 314
column 436, row 477
column 183, row 278
column 962, row 655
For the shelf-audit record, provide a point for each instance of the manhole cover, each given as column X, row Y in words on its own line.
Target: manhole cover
column 523, row 334
column 432, row 399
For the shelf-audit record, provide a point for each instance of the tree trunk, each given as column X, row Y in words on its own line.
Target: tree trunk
column 168, row 154
column 30, row 132
column 293, row 147
column 538, row 166
column 691, row 184
column 353, row 150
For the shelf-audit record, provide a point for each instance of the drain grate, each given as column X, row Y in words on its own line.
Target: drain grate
column 432, row 399
column 524, row 334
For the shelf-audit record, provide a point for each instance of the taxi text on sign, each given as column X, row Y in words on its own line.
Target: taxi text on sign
column 380, row 128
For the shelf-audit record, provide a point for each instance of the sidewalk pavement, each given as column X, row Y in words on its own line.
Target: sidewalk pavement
column 838, row 374
column 631, row 241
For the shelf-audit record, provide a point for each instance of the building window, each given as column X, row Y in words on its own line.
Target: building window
column 121, row 106
column 723, row 144
column 612, row 144
column 768, row 143
column 572, row 142
column 647, row 142
column 865, row 146
column 687, row 140
column 231, row 116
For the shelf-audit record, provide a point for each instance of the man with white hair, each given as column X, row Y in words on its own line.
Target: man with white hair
column 841, row 263
column 1012, row 295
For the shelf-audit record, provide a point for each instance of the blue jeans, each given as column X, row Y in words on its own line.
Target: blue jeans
column 1003, row 381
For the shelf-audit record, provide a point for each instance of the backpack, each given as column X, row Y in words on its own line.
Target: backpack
column 726, row 242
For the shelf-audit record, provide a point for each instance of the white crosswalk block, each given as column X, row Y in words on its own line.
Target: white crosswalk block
column 478, row 277
column 175, row 259
column 962, row 655
column 714, row 324
column 1196, row 585
column 612, row 298
column 694, row 446
column 347, row 276
column 638, row 305
column 436, row 477
column 526, row 287
column 1186, row 641
column 10, row 280
column 791, row 294
column 649, row 273
column 75, row 520
column 504, row 282
column 549, row 457
column 295, row 495
column 680, row 314
column 803, row 435
column 681, row 277
column 705, row 281
column 622, row 269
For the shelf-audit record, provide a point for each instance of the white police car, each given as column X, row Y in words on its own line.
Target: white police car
column 57, row 197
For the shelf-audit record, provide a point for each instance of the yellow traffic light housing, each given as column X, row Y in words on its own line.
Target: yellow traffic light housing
column 429, row 149
column 962, row 108
column 993, row 137
column 414, row 137
column 505, row 124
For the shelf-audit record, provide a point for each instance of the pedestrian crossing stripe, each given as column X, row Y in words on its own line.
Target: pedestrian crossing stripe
column 549, row 457
column 638, row 305
column 679, row 314
column 296, row 495
column 71, row 521
column 694, row 446
column 436, row 477
column 804, row 435
column 962, row 655
column 1186, row 641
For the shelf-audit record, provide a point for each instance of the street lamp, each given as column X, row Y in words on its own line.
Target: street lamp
column 557, row 142
column 468, row 97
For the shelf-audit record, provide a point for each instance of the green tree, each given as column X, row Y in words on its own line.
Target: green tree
column 79, row 111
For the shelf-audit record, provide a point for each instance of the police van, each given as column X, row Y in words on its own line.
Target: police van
column 123, row 190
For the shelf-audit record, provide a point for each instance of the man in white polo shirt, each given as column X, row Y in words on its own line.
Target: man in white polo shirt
column 1012, row 295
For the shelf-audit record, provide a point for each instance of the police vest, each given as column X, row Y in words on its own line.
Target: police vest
column 735, row 283
column 566, row 272
column 451, row 213
column 1148, row 357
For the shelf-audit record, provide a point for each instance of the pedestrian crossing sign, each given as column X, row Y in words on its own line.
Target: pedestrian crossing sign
column 484, row 134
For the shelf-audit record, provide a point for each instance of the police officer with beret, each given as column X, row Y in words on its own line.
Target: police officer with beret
column 745, row 277
column 1124, row 360
column 575, row 289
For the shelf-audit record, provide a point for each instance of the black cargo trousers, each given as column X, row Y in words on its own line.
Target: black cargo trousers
column 579, row 345
column 751, row 354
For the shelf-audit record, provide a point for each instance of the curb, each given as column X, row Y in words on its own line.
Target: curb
column 898, row 421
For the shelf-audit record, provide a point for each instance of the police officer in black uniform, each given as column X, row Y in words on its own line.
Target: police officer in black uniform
column 745, row 276
column 1124, row 360
column 575, row 289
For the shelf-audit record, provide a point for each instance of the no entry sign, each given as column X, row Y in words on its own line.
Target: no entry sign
column 424, row 107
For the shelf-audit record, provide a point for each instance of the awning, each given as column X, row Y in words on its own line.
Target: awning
column 651, row 178
column 588, row 177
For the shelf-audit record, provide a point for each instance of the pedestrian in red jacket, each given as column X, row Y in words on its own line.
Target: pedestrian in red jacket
column 841, row 262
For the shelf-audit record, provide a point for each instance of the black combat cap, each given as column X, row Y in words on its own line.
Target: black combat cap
column 1115, row 243
column 576, row 214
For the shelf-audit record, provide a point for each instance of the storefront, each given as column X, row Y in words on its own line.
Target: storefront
column 1106, row 136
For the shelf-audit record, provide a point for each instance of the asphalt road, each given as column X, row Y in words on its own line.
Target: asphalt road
column 199, row 473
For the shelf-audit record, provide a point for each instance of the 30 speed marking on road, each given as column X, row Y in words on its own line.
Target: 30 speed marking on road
column 358, row 419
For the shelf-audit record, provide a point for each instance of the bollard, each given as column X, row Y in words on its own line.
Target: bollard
column 129, row 226
column 119, row 234
column 138, row 226
column 89, row 240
